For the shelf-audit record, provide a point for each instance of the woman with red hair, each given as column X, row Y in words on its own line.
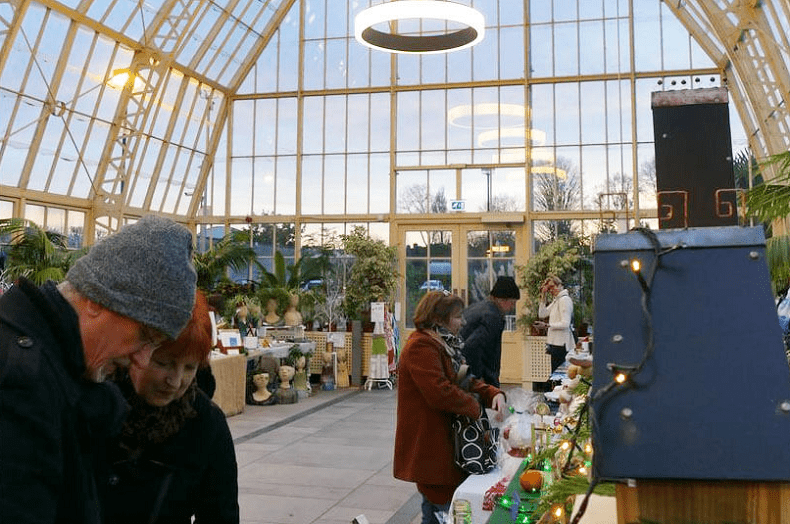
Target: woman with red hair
column 174, row 458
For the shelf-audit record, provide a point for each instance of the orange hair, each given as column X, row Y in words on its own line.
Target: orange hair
column 195, row 339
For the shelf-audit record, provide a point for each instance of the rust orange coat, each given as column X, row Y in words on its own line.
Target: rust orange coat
column 427, row 398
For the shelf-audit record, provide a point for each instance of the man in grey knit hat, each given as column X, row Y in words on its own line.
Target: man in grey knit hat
column 129, row 293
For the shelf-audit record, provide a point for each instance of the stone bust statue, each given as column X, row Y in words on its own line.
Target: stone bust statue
column 261, row 394
column 292, row 317
column 272, row 318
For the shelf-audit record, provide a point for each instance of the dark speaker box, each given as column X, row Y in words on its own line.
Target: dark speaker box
column 712, row 401
column 694, row 176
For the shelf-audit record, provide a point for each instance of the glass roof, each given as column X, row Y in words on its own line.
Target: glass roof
column 221, row 110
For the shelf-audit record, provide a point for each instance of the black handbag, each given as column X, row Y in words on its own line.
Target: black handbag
column 476, row 443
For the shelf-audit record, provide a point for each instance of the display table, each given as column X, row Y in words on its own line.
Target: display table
column 473, row 489
column 230, row 372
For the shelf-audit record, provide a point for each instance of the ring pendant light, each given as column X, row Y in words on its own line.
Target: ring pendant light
column 472, row 32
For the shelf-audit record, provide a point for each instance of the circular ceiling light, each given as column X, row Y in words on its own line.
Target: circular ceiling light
column 472, row 21
column 488, row 115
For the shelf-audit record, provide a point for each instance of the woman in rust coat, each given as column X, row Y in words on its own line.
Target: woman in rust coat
column 428, row 396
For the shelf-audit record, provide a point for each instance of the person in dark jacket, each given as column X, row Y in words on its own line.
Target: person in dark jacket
column 174, row 459
column 56, row 343
column 482, row 332
column 428, row 396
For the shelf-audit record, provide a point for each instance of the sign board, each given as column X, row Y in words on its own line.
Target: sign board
column 457, row 205
column 377, row 311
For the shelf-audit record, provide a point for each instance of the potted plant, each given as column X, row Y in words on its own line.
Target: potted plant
column 35, row 253
column 373, row 275
column 558, row 257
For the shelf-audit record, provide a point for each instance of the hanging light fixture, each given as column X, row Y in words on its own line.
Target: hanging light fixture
column 471, row 20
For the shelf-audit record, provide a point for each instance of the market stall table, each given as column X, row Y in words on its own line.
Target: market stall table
column 230, row 372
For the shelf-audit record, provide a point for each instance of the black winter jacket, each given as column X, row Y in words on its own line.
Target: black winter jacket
column 194, row 472
column 482, row 336
column 51, row 419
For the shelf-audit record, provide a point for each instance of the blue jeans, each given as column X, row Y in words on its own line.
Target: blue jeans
column 429, row 509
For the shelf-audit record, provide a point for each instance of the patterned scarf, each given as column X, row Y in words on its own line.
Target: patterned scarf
column 453, row 344
column 146, row 424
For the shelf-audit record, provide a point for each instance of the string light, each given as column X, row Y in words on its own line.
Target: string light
column 636, row 267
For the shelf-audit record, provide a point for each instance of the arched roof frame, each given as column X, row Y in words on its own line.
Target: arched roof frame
column 746, row 39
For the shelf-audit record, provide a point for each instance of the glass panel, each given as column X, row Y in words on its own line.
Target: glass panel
column 263, row 180
column 334, row 184
column 647, row 51
column 489, row 254
column 358, row 123
column 314, row 64
column 566, row 49
column 511, row 51
column 286, row 126
column 459, row 122
column 358, row 65
column 408, row 121
column 312, row 175
column 428, row 266
column 567, row 113
column 592, row 52
column 6, row 209
column 241, row 186
column 56, row 220
column 676, row 52
column 313, row 125
column 593, row 112
column 412, row 190
column 336, row 63
column 244, row 112
column 508, row 190
column 357, row 176
column 335, row 132
column 485, row 56
column 441, row 186
column 432, row 125
column 314, row 18
column 379, row 127
column 542, row 109
column 380, row 183
column 285, row 199
column 434, row 68
column 264, row 130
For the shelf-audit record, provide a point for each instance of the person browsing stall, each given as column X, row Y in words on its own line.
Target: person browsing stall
column 132, row 291
column 174, row 458
column 429, row 396
column 482, row 333
column 556, row 304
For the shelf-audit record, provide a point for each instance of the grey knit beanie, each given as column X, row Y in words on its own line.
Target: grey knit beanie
column 144, row 272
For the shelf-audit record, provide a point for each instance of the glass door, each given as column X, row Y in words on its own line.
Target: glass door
column 463, row 259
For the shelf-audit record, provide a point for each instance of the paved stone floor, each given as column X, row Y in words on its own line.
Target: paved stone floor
column 324, row 460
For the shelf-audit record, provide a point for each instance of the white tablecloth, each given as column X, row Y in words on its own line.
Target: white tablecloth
column 473, row 489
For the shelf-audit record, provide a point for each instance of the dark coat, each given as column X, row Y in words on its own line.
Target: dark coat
column 482, row 336
column 51, row 419
column 427, row 399
column 195, row 470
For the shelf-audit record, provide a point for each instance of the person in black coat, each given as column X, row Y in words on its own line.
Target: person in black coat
column 482, row 331
column 174, row 459
column 56, row 344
